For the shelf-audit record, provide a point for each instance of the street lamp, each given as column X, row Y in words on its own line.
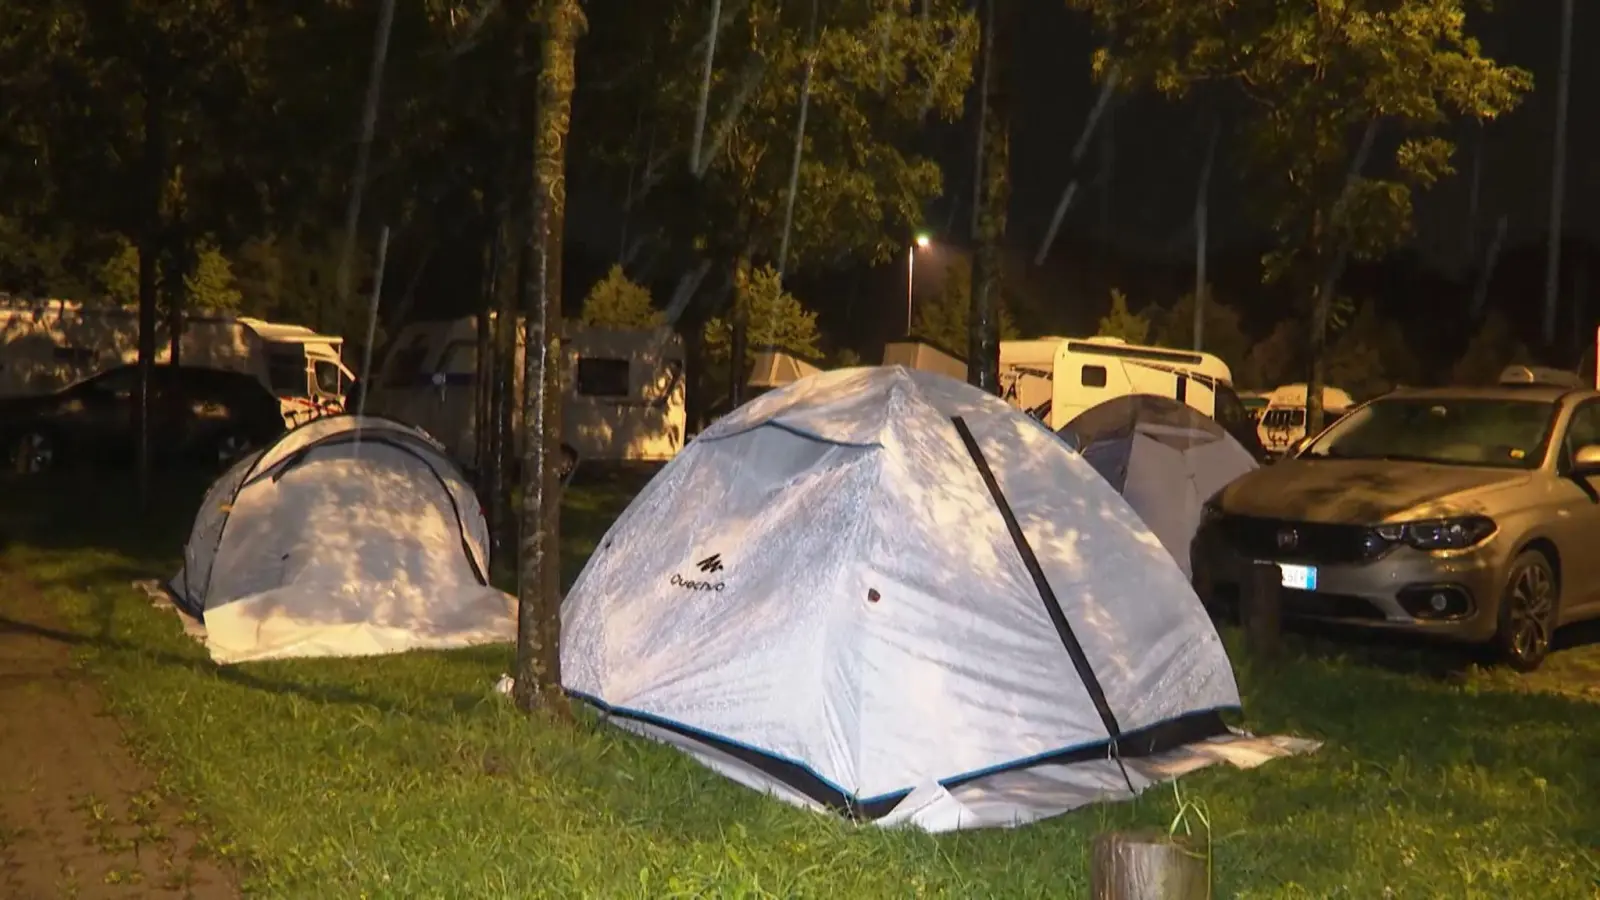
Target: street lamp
column 921, row 243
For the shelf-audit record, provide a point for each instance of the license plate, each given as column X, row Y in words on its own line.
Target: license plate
column 1299, row 578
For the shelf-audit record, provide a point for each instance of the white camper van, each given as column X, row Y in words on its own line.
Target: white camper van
column 1054, row 379
column 774, row 368
column 47, row 344
column 924, row 357
column 622, row 391
column 1283, row 422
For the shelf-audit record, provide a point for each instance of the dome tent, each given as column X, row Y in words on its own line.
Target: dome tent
column 887, row 593
column 350, row 536
column 1165, row 458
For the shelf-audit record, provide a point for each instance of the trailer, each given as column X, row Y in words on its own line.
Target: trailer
column 46, row 345
column 622, row 392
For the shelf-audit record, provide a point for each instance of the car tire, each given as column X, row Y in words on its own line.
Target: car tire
column 34, row 452
column 229, row 447
column 1528, row 612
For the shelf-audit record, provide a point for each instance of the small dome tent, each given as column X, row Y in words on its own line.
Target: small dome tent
column 350, row 536
column 887, row 593
column 1164, row 457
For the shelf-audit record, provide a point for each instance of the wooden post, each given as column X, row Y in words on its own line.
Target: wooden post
column 1261, row 609
column 1146, row 866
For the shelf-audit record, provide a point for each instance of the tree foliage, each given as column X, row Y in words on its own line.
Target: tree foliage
column 877, row 68
column 208, row 288
column 1313, row 85
column 1122, row 322
column 1224, row 333
column 1493, row 347
column 944, row 321
column 617, row 302
column 777, row 319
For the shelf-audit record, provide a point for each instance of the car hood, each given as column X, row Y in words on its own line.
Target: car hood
column 1360, row 491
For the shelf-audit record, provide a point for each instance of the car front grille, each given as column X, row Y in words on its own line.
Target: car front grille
column 1283, row 540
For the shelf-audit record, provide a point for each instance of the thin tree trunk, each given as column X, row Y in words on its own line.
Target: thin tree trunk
column 1324, row 239
column 739, row 340
column 173, row 283
column 155, row 166
column 993, row 194
column 705, row 87
column 483, row 375
column 1202, row 222
column 538, row 681
column 508, row 394
column 1558, row 181
column 358, row 183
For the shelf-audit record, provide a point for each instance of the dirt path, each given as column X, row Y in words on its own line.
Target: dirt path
column 78, row 816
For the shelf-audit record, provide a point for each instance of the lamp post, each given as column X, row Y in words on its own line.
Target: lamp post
column 921, row 243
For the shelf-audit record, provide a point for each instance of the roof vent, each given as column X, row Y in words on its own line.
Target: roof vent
column 1541, row 376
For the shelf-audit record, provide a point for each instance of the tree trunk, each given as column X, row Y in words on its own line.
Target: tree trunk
column 483, row 376
column 174, row 281
column 508, row 397
column 739, row 338
column 155, row 173
column 538, row 681
column 993, row 193
column 1317, row 331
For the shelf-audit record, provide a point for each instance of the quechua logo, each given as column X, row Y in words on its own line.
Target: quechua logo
column 710, row 566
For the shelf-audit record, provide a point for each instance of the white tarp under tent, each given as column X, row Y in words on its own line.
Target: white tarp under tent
column 350, row 536
column 886, row 593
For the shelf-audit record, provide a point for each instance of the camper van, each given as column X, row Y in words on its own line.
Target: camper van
column 1054, row 379
column 48, row 344
column 622, row 391
column 924, row 357
column 774, row 368
column 1283, row 422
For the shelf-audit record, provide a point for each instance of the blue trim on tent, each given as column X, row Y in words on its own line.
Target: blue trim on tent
column 847, row 801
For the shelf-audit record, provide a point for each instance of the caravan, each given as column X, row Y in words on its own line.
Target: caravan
column 622, row 391
column 1054, row 379
column 48, row 344
column 1283, row 421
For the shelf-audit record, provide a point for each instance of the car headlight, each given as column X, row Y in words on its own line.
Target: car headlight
column 1439, row 534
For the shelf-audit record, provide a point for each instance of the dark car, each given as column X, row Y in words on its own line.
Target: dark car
column 203, row 416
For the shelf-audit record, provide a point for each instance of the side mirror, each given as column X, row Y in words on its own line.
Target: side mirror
column 1586, row 461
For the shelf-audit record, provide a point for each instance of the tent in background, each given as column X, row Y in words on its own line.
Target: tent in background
column 890, row 594
column 1165, row 458
column 348, row 537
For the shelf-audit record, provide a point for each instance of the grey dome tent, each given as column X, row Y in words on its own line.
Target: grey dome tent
column 1165, row 458
column 349, row 536
column 889, row 594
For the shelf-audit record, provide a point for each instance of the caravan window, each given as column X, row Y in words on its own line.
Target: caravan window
column 1094, row 376
column 407, row 365
column 460, row 358
column 286, row 371
column 600, row 377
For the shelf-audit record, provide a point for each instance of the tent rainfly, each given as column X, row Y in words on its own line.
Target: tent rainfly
column 1165, row 458
column 887, row 593
column 350, row 536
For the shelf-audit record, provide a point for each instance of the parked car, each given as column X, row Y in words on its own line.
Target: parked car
column 1468, row 513
column 197, row 415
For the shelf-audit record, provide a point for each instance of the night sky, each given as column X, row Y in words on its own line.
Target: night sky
column 1160, row 145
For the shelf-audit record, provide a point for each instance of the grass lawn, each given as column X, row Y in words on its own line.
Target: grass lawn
column 408, row 777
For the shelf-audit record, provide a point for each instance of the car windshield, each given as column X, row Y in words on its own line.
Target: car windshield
column 1459, row 431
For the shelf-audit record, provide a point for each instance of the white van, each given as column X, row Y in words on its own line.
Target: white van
column 622, row 391
column 924, row 357
column 1054, row 379
column 1283, row 421
column 47, row 344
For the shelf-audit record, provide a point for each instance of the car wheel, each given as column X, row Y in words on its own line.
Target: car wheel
column 33, row 453
column 1528, row 612
column 568, row 462
column 230, row 447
